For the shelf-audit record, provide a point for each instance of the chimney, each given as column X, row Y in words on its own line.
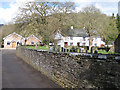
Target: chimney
column 83, row 28
column 71, row 27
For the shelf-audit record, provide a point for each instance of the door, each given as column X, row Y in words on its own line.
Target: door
column 65, row 43
column 13, row 44
column 78, row 44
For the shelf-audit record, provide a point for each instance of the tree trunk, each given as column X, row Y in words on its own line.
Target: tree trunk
column 90, row 42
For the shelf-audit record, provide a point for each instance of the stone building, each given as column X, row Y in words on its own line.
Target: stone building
column 117, row 44
column 32, row 40
column 13, row 40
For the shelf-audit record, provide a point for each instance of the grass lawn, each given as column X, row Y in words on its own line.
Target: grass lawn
column 38, row 47
column 105, row 52
column 47, row 48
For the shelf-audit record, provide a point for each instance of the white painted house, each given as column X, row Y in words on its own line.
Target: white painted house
column 77, row 37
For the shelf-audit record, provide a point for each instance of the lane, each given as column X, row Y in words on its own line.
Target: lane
column 0, row 69
column 17, row 74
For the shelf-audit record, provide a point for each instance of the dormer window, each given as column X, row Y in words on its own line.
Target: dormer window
column 83, row 38
column 71, row 38
column 32, row 42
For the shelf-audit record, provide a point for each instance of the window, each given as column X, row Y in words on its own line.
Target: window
column 83, row 44
column 32, row 42
column 71, row 44
column 83, row 38
column 71, row 38
column 8, row 43
column 66, row 43
column 17, row 43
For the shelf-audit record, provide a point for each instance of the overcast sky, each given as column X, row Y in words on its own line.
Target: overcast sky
column 9, row 8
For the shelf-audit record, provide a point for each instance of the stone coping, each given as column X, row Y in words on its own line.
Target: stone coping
column 92, row 56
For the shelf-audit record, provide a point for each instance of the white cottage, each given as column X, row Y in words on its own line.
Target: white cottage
column 77, row 37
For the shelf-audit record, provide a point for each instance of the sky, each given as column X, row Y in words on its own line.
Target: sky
column 10, row 8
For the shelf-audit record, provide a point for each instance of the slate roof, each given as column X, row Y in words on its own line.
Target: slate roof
column 76, row 33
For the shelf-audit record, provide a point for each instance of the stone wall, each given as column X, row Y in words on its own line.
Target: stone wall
column 75, row 70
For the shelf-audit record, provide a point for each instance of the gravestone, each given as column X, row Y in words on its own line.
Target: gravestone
column 79, row 50
column 91, row 51
column 70, row 50
column 62, row 49
column 67, row 50
column 73, row 49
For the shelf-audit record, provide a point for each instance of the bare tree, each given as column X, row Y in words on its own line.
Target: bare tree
column 90, row 20
column 43, row 18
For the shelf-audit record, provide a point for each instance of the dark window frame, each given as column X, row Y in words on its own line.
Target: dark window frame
column 32, row 42
column 66, row 43
column 84, row 39
column 8, row 42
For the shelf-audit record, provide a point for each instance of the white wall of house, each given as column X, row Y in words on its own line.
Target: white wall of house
column 6, row 41
column 72, row 41
column 98, row 41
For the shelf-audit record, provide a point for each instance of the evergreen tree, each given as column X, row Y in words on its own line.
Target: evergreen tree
column 113, row 17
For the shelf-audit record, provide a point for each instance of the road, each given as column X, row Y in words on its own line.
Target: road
column 17, row 74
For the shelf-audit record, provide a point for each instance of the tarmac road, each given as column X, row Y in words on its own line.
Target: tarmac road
column 17, row 74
